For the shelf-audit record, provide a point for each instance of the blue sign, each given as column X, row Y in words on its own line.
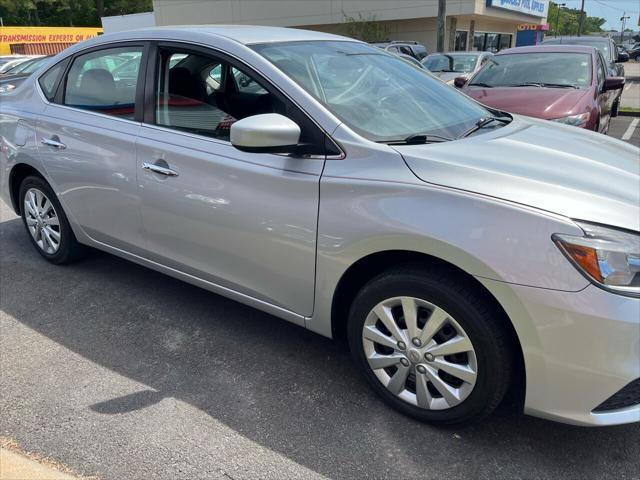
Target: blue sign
column 536, row 8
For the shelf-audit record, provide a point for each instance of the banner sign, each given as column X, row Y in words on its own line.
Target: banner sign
column 529, row 26
column 536, row 8
column 12, row 35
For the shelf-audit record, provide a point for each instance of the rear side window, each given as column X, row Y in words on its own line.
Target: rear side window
column 49, row 80
column 105, row 81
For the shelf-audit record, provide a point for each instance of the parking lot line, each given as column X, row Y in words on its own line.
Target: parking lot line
column 632, row 126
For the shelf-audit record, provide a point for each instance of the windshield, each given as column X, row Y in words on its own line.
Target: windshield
column 30, row 66
column 451, row 63
column 545, row 69
column 378, row 95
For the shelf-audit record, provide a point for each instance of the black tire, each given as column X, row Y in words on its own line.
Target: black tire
column 615, row 109
column 69, row 249
column 472, row 311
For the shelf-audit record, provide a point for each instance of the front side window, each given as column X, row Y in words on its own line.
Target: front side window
column 105, row 81
column 205, row 95
column 568, row 70
column 378, row 95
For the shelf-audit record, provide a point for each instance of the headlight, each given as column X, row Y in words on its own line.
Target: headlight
column 6, row 87
column 575, row 120
column 608, row 257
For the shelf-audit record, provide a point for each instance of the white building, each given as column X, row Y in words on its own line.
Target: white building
column 470, row 24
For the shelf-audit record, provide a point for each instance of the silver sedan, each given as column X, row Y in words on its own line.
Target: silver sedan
column 462, row 251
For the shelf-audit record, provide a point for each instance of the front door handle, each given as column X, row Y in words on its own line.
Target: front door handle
column 158, row 169
column 53, row 142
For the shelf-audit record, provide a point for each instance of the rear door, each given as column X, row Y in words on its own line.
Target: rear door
column 244, row 221
column 87, row 138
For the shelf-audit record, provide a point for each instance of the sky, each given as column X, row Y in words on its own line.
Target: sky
column 612, row 10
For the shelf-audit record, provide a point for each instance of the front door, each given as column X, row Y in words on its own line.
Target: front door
column 87, row 138
column 244, row 221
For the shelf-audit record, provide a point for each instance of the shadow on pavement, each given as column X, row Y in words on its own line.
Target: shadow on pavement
column 282, row 387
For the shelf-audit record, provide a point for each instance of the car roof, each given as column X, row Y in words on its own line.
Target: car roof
column 550, row 49
column 568, row 40
column 245, row 34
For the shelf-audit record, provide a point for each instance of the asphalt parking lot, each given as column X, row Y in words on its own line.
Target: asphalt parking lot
column 124, row 373
column 626, row 128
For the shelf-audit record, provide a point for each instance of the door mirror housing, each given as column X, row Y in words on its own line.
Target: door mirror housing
column 460, row 82
column 613, row 83
column 265, row 133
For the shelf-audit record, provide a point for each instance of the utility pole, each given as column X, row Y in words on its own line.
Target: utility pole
column 559, row 5
column 581, row 19
column 623, row 19
column 442, row 16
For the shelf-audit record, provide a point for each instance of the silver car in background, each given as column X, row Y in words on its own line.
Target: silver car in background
column 449, row 66
column 463, row 252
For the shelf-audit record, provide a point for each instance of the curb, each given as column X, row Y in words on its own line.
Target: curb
column 14, row 466
column 628, row 114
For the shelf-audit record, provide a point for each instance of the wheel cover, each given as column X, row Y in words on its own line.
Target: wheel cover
column 42, row 221
column 419, row 353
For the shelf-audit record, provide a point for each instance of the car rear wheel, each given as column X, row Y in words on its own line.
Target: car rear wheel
column 430, row 345
column 46, row 222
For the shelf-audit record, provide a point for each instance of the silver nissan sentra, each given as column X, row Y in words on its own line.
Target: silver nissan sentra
column 463, row 252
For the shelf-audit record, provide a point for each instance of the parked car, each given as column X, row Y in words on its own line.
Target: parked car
column 412, row 61
column 10, row 61
column 633, row 51
column 566, row 84
column 448, row 66
column 16, row 75
column 611, row 54
column 462, row 251
column 409, row 47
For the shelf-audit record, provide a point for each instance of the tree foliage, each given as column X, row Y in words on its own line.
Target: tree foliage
column 569, row 19
column 78, row 13
column 367, row 29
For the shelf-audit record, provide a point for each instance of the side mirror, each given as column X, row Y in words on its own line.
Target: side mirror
column 460, row 82
column 622, row 57
column 265, row 133
column 613, row 83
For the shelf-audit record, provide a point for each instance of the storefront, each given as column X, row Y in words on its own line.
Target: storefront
column 470, row 24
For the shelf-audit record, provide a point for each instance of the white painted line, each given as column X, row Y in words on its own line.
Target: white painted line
column 630, row 129
column 628, row 86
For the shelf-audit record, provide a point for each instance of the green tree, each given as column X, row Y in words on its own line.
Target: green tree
column 367, row 29
column 80, row 13
column 566, row 21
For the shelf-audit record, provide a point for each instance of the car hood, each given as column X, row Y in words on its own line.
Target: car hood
column 561, row 169
column 546, row 103
column 449, row 76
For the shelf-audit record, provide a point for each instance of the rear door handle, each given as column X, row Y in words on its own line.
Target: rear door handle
column 53, row 142
column 158, row 169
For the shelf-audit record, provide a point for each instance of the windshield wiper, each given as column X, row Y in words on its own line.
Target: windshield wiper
column 559, row 85
column 480, row 84
column 418, row 139
column 483, row 122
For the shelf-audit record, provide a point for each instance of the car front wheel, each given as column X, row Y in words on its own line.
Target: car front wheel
column 431, row 345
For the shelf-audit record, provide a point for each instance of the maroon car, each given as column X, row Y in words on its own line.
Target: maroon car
column 564, row 83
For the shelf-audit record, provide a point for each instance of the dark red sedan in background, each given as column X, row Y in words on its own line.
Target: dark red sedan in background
column 563, row 83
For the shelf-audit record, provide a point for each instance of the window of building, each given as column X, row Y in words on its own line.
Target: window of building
column 461, row 41
column 105, row 81
column 491, row 42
